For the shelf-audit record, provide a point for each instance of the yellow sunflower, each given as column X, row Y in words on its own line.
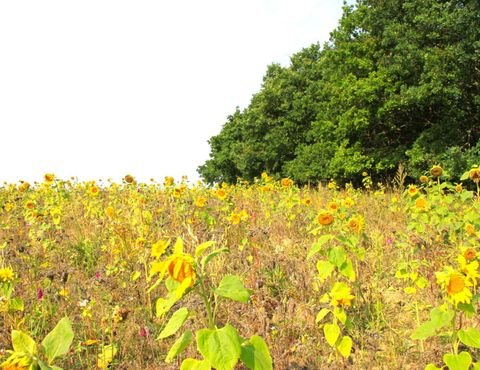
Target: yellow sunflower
column 455, row 285
column 325, row 218
column 341, row 295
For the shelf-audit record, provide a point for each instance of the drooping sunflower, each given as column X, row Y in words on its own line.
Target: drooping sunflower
column 474, row 174
column 49, row 178
column 180, row 267
column 436, row 171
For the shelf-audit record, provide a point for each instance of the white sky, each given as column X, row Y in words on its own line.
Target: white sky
column 101, row 88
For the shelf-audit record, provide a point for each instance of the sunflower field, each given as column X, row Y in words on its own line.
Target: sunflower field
column 260, row 275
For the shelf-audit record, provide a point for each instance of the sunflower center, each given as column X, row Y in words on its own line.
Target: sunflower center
column 455, row 285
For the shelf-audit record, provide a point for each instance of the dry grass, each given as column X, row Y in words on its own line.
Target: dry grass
column 67, row 247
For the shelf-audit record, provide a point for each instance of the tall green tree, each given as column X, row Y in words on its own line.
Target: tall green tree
column 399, row 81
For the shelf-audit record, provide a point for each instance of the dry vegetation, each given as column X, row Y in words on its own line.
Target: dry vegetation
column 84, row 250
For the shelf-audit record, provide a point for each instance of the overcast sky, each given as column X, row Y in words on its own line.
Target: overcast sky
column 98, row 89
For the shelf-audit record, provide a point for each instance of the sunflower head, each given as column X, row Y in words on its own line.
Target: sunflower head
column 455, row 284
column 341, row 295
column 474, row 174
column 286, row 182
column 423, row 179
column 325, row 218
column 180, row 268
column 49, row 178
column 436, row 171
column 129, row 179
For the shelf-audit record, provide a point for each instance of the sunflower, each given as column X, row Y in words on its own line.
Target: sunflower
column 436, row 171
column 235, row 218
column 474, row 174
column 325, row 218
column 286, row 182
column 421, row 204
column 341, row 295
column 455, row 284
column 168, row 181
column 129, row 179
column 24, row 186
column 348, row 202
column 200, row 202
column 94, row 190
column 180, row 267
column 412, row 190
column 110, row 211
column 356, row 223
column 221, row 194
column 469, row 254
column 307, row 201
column 424, row 179
column 49, row 178
column 333, row 206
column 469, row 229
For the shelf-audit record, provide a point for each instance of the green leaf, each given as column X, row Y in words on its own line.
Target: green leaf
column 163, row 305
column 321, row 315
column 58, row 341
column 22, row 342
column 476, row 366
column 332, row 332
column 470, row 337
column 43, row 365
column 16, row 304
column 202, row 248
column 208, row 257
column 176, row 321
column 337, row 256
column 441, row 317
column 347, row 270
column 461, row 361
column 468, row 308
column 345, row 346
column 340, row 314
column 465, row 176
column 192, row 364
column 232, row 287
column 421, row 282
column 317, row 246
column 432, row 367
column 220, row 347
column 255, row 354
column 425, row 330
column 325, row 269
column 179, row 345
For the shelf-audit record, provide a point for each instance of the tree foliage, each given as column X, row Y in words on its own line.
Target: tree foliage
column 399, row 81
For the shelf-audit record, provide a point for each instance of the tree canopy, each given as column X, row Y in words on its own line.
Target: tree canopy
column 399, row 81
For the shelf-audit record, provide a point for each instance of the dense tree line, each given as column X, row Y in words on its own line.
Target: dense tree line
column 398, row 82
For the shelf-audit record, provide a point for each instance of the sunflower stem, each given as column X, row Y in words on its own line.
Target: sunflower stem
column 206, row 301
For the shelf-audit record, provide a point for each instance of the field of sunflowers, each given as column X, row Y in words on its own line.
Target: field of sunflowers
column 262, row 275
